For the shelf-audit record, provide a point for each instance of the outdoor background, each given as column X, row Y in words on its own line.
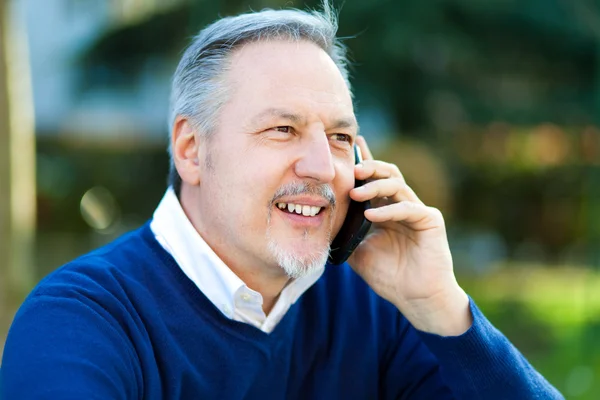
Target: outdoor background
column 491, row 108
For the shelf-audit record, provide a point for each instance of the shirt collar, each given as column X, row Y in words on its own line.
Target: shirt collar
column 194, row 256
column 200, row 263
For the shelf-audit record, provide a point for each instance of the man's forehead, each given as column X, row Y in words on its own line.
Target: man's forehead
column 282, row 64
column 291, row 81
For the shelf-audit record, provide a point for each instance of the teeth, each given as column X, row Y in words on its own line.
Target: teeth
column 307, row 211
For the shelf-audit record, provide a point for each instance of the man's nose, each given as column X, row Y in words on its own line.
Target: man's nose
column 316, row 161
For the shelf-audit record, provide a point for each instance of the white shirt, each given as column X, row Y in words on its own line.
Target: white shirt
column 176, row 234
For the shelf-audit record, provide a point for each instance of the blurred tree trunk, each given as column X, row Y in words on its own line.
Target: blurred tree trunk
column 17, row 168
column 4, row 183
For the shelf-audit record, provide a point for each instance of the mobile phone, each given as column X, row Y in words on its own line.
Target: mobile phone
column 355, row 226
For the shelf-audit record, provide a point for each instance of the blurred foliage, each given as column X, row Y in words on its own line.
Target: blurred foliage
column 552, row 316
column 135, row 176
column 524, row 62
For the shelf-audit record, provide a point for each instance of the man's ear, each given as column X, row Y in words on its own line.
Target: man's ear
column 184, row 145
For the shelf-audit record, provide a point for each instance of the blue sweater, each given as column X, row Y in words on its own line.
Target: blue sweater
column 124, row 322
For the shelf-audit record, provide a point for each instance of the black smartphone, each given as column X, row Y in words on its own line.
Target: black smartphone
column 355, row 226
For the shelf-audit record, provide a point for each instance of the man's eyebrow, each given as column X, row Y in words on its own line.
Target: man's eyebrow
column 345, row 123
column 282, row 113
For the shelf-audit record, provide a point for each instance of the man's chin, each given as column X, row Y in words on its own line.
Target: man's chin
column 298, row 261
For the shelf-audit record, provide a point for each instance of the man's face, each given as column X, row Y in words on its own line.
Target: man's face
column 281, row 160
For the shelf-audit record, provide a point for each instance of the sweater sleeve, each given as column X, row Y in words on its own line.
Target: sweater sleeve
column 409, row 371
column 67, row 347
column 483, row 364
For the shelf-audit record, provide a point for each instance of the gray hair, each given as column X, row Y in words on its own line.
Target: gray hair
column 199, row 92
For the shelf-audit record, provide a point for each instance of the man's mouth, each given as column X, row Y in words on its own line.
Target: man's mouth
column 302, row 209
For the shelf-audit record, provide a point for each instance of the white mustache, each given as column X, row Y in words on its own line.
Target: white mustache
column 297, row 188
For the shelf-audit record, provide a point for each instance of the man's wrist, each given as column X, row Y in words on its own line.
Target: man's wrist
column 446, row 316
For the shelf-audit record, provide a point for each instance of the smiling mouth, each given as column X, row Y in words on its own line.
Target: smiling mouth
column 301, row 209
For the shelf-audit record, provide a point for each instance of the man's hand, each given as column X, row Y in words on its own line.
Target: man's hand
column 406, row 258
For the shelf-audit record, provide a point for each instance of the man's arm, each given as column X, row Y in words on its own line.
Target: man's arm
column 483, row 364
column 479, row 364
column 406, row 259
column 67, row 348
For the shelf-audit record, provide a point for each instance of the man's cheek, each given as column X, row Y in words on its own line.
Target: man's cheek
column 339, row 216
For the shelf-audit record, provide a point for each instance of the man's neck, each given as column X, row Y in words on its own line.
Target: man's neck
column 269, row 283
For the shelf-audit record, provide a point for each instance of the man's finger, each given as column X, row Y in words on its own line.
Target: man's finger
column 394, row 188
column 364, row 148
column 375, row 169
column 414, row 215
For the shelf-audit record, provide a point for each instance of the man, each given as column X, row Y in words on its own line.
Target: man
column 225, row 294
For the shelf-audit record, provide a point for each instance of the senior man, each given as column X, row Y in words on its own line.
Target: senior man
column 225, row 293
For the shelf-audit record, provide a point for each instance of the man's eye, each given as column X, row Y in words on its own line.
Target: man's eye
column 284, row 129
column 342, row 137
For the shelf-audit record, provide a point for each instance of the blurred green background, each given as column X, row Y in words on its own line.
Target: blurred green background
column 491, row 108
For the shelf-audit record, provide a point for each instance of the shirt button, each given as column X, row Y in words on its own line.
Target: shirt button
column 227, row 310
column 246, row 297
